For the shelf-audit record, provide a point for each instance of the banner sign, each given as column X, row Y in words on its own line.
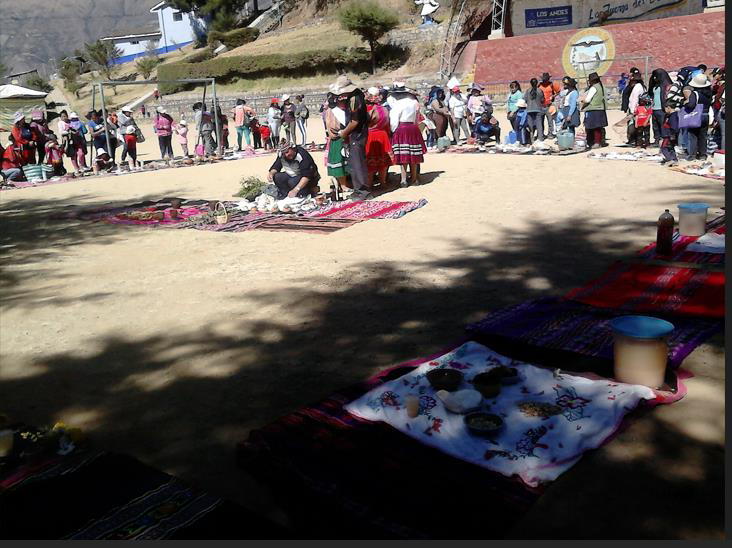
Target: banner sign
column 548, row 17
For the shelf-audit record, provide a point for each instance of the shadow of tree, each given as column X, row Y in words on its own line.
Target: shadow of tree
column 181, row 400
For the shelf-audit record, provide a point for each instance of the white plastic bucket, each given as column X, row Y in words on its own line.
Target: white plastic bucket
column 640, row 349
column 693, row 218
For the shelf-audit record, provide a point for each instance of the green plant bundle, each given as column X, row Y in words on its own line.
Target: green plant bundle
column 251, row 187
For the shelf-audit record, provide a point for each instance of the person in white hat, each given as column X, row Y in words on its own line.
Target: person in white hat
column 125, row 120
column 181, row 130
column 699, row 97
column 77, row 131
column 163, row 128
column 355, row 133
column 102, row 161
column 407, row 143
column 521, row 122
column 130, row 146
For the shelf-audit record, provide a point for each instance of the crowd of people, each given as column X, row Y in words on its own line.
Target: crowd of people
column 367, row 131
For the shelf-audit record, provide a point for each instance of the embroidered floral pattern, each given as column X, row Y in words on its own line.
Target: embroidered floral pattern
column 573, row 406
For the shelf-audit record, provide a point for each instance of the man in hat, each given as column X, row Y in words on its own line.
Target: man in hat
column 457, row 103
column 97, row 130
column 355, row 135
column 294, row 172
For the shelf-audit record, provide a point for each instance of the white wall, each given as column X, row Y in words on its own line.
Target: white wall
column 128, row 48
column 175, row 31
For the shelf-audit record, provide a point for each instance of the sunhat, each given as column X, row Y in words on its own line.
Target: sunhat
column 700, row 81
column 36, row 115
column 521, row 103
column 182, row 123
column 18, row 117
column 73, row 115
column 130, row 130
column 285, row 97
column 161, row 110
column 545, row 76
column 101, row 151
column 373, row 91
column 126, row 108
column 344, row 85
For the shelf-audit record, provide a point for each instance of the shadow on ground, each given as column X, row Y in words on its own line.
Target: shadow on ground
column 180, row 401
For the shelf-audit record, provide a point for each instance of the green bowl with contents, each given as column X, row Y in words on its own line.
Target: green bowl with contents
column 483, row 424
column 445, row 379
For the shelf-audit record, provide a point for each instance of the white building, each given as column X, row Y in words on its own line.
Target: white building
column 174, row 29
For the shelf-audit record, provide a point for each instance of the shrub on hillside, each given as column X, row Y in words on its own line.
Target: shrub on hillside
column 233, row 38
column 252, row 66
column 38, row 82
column 146, row 65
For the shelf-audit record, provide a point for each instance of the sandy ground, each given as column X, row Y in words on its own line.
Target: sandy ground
column 171, row 345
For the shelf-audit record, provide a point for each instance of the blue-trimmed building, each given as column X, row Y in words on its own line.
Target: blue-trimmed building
column 174, row 29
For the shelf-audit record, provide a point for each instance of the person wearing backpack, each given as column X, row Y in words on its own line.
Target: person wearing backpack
column 701, row 94
column 301, row 117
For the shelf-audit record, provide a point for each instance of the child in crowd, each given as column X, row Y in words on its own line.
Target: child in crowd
column 131, row 143
column 256, row 130
column 54, row 155
column 643, row 115
column 523, row 134
column 102, row 161
column 181, row 130
column 266, row 135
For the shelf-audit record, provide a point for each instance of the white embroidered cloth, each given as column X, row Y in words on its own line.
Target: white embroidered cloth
column 538, row 449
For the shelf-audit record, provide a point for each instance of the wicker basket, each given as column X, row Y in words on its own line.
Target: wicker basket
column 220, row 214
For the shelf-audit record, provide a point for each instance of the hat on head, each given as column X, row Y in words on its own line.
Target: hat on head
column 101, row 151
column 130, row 130
column 700, row 81
column 285, row 97
column 373, row 91
column 285, row 146
column 521, row 103
column 477, row 86
column 182, row 123
column 126, row 108
column 36, row 115
column 545, row 76
column 344, row 85
column 73, row 115
column 18, row 117
column 160, row 110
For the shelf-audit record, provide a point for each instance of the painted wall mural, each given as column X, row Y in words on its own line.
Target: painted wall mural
column 533, row 16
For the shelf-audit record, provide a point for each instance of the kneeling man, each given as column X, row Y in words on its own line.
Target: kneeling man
column 294, row 172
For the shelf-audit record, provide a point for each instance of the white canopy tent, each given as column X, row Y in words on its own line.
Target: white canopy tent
column 18, row 99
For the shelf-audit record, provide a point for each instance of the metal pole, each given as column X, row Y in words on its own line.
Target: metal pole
column 94, row 102
column 104, row 121
column 219, row 144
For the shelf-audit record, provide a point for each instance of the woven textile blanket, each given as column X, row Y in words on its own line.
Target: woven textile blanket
column 367, row 209
column 656, row 290
column 339, row 476
column 537, row 446
column 325, row 225
column 569, row 326
column 100, row 495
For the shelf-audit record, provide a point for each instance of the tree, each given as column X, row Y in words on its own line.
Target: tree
column 38, row 82
column 224, row 14
column 370, row 21
column 146, row 65
column 103, row 54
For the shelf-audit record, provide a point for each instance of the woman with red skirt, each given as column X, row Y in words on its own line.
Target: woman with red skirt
column 379, row 155
column 406, row 141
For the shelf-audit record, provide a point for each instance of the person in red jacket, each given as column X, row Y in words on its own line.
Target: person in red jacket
column 23, row 136
column 12, row 162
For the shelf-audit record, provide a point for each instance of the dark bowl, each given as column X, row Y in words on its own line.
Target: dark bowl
column 445, row 379
column 483, row 424
column 488, row 384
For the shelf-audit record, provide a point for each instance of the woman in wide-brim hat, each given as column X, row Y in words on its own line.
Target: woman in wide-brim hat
column 406, row 141
column 595, row 106
column 379, row 154
column 335, row 121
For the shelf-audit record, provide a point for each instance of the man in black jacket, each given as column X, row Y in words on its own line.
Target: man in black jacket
column 294, row 172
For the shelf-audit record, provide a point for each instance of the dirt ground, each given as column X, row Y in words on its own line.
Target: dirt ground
column 171, row 345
